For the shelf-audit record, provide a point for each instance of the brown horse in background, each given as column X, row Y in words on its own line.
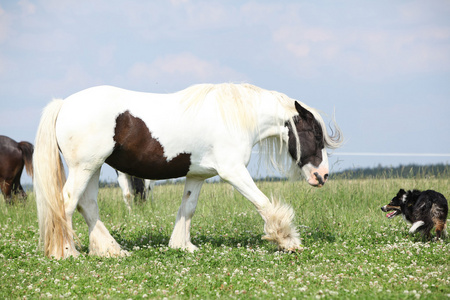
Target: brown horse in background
column 13, row 156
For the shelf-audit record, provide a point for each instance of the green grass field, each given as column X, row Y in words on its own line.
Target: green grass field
column 351, row 250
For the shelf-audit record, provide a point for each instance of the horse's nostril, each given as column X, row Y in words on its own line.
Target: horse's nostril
column 325, row 177
column 319, row 178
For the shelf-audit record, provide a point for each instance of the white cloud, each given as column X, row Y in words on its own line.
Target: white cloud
column 106, row 55
column 178, row 20
column 419, row 12
column 17, row 118
column 5, row 25
column 52, row 41
column 183, row 68
column 74, row 79
column 178, row 2
column 27, row 7
column 6, row 65
column 299, row 50
column 370, row 53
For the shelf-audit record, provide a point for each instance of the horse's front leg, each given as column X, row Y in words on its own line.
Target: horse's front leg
column 181, row 236
column 278, row 217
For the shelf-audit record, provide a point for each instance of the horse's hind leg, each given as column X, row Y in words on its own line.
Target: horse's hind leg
column 181, row 236
column 101, row 242
column 73, row 191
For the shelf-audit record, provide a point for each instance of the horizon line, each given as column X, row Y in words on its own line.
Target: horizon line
column 391, row 154
column 382, row 154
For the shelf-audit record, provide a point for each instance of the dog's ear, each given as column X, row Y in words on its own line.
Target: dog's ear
column 401, row 193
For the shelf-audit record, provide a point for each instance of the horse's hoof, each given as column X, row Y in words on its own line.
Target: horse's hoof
column 295, row 250
column 188, row 247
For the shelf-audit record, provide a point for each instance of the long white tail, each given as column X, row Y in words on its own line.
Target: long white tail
column 49, row 180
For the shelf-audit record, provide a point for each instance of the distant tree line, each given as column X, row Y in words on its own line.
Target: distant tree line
column 108, row 184
column 407, row 171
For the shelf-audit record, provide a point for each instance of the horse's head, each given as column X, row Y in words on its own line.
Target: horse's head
column 313, row 160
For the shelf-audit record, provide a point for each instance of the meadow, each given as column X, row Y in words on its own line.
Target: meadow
column 351, row 250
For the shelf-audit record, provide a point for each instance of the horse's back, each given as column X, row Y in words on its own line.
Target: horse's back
column 91, row 116
column 7, row 144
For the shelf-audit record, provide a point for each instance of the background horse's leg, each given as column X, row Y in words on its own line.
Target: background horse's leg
column 125, row 184
column 181, row 236
column 138, row 189
column 6, row 187
column 17, row 187
column 278, row 217
column 21, row 192
column 100, row 240
column 149, row 185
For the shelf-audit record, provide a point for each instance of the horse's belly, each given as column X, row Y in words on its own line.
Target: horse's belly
column 152, row 166
column 137, row 153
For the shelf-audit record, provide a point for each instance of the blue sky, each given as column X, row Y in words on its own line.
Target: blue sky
column 382, row 66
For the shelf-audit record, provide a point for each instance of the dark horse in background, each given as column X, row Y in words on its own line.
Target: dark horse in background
column 13, row 156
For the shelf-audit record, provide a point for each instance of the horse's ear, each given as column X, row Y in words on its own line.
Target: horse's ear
column 303, row 112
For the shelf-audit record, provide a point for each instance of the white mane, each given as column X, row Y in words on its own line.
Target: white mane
column 236, row 102
column 237, row 105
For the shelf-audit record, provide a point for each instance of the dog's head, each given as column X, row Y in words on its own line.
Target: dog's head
column 395, row 205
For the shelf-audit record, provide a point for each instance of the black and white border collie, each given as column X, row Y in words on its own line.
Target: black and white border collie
column 424, row 210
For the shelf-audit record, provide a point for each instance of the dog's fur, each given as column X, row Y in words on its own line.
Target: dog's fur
column 424, row 210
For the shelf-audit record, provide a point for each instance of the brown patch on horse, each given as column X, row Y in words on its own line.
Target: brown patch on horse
column 137, row 153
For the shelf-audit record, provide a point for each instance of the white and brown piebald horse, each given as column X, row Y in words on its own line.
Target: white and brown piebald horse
column 202, row 131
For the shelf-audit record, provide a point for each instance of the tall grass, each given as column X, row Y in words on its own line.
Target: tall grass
column 351, row 250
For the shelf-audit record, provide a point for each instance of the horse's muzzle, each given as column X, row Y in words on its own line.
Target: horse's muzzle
column 321, row 180
column 316, row 176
